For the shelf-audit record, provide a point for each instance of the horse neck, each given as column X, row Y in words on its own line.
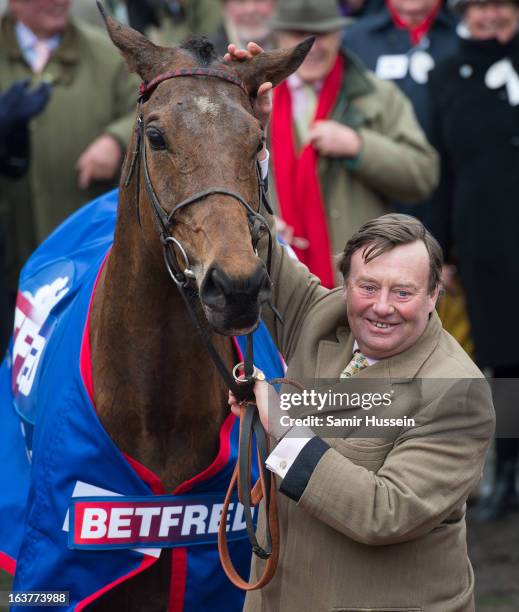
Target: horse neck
column 156, row 390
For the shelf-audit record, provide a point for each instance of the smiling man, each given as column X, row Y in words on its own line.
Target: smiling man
column 374, row 521
column 391, row 285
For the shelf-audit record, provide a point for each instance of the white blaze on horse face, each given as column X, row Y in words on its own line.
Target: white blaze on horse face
column 207, row 106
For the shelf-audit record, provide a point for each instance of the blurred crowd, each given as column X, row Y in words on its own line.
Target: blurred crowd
column 406, row 105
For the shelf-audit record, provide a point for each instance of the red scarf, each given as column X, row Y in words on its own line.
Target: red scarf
column 296, row 175
column 417, row 32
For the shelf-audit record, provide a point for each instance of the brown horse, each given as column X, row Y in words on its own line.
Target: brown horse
column 156, row 390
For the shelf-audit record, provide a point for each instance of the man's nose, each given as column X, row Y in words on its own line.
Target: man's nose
column 382, row 306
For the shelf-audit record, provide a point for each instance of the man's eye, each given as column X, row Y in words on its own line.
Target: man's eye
column 368, row 288
column 403, row 293
column 156, row 139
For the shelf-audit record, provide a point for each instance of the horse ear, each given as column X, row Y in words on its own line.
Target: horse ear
column 140, row 54
column 273, row 66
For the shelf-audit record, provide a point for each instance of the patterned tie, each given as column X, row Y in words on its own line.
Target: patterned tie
column 41, row 51
column 358, row 362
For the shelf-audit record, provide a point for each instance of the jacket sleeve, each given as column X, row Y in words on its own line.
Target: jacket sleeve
column 125, row 92
column 294, row 290
column 396, row 160
column 422, row 481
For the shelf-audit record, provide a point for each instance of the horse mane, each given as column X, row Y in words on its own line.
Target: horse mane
column 201, row 48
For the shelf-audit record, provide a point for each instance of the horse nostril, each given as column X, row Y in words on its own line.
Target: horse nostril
column 218, row 287
column 215, row 288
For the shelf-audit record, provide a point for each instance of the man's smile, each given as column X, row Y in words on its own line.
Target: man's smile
column 381, row 325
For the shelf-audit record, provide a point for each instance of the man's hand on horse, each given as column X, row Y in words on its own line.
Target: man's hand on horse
column 267, row 401
column 100, row 161
column 263, row 102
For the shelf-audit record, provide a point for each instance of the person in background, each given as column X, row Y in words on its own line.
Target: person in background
column 344, row 143
column 359, row 8
column 18, row 105
column 402, row 42
column 245, row 20
column 475, row 214
column 178, row 20
column 87, row 10
column 77, row 141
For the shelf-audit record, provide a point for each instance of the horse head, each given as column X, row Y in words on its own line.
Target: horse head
column 193, row 164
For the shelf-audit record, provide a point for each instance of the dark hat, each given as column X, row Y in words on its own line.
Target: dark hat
column 313, row 16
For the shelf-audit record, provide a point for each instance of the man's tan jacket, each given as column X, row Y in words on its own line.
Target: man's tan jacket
column 376, row 524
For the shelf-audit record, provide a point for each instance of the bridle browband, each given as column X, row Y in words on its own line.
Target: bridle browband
column 147, row 87
column 240, row 384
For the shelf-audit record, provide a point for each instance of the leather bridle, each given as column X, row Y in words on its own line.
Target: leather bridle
column 241, row 381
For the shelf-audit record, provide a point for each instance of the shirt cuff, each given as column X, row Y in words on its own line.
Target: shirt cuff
column 264, row 165
column 298, row 476
column 286, row 452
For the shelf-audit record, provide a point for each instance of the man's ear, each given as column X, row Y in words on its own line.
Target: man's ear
column 273, row 66
column 141, row 55
column 434, row 297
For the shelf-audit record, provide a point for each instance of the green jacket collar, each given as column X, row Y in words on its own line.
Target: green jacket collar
column 355, row 81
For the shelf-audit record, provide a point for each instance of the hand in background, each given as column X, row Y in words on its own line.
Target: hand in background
column 333, row 139
column 100, row 161
column 19, row 104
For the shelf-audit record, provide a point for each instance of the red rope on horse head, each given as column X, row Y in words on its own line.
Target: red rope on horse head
column 147, row 87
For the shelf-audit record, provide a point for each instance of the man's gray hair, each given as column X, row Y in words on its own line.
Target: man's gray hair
column 385, row 233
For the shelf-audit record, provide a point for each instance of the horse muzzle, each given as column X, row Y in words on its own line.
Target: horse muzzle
column 233, row 305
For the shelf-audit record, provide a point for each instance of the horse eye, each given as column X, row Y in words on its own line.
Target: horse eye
column 156, row 139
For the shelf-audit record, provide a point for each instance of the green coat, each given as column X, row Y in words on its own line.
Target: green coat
column 92, row 94
column 396, row 162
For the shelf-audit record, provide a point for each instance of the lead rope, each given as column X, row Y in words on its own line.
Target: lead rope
column 265, row 488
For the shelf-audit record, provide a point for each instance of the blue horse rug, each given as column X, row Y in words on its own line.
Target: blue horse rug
column 77, row 515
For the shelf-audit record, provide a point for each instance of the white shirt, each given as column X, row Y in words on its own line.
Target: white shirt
column 27, row 41
column 264, row 165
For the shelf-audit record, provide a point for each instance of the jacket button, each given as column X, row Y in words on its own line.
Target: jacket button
column 283, row 464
